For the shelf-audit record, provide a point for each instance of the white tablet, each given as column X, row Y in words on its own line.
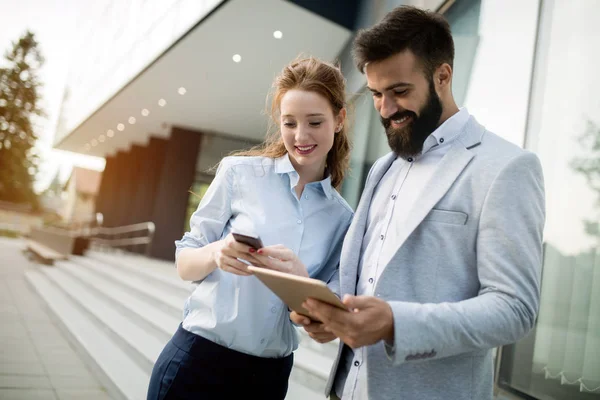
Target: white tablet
column 293, row 290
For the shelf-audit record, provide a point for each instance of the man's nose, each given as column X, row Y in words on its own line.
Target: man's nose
column 388, row 107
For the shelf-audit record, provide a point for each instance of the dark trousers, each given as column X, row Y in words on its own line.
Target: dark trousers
column 192, row 367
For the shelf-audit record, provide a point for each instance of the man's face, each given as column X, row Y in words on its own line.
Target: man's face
column 406, row 100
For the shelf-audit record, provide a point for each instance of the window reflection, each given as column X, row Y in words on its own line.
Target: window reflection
column 561, row 358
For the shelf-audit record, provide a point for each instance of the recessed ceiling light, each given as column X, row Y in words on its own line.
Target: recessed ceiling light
column 131, row 120
column 110, row 133
column 94, row 143
column 121, row 127
column 162, row 102
column 181, row 91
column 101, row 138
column 237, row 58
column 87, row 146
column 145, row 112
column 277, row 34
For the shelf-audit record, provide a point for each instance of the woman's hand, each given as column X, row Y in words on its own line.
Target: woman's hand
column 280, row 258
column 226, row 257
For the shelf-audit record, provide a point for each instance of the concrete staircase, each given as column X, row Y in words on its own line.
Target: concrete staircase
column 121, row 309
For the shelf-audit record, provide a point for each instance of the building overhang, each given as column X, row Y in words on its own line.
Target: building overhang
column 220, row 96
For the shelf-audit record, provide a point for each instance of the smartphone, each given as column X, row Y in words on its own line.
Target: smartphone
column 251, row 241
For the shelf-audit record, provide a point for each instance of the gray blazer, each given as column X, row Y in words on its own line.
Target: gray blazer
column 466, row 275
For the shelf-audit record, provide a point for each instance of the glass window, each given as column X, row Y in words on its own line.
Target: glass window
column 492, row 64
column 560, row 359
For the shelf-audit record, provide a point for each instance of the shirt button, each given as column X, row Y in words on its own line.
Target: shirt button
column 356, row 363
column 370, row 280
column 273, row 309
column 393, row 197
column 409, row 159
column 381, row 237
column 441, row 140
column 306, row 197
column 299, row 221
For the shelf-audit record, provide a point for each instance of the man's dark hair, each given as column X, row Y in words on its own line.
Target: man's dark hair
column 425, row 33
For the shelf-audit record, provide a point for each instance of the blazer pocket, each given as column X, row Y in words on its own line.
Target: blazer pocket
column 447, row 217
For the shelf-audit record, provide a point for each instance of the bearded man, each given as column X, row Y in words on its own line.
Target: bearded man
column 442, row 261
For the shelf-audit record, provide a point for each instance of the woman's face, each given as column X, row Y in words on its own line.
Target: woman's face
column 308, row 127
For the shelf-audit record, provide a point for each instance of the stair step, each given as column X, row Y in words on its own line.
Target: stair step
column 313, row 362
column 329, row 349
column 147, row 287
column 299, row 391
column 147, row 267
column 128, row 377
column 164, row 322
column 132, row 334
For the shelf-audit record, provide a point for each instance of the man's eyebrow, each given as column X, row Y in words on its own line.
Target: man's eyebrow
column 393, row 86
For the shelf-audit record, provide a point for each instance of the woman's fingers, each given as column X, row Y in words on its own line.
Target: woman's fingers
column 232, row 265
column 278, row 251
column 272, row 263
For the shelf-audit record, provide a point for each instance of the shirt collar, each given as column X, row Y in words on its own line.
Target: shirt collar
column 448, row 131
column 283, row 165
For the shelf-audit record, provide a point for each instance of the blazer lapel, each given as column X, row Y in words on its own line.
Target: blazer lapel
column 351, row 249
column 449, row 168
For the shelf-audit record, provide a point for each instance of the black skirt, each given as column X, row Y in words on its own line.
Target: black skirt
column 192, row 367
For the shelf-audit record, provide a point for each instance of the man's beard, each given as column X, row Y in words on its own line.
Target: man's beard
column 408, row 141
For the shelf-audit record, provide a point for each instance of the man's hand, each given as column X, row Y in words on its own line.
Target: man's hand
column 370, row 320
column 316, row 330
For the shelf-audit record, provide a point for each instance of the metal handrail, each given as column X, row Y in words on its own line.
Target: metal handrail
column 142, row 226
column 112, row 236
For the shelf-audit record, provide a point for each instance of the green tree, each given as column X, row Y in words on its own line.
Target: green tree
column 19, row 106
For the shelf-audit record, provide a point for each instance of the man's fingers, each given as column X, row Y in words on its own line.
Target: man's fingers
column 315, row 327
column 299, row 319
column 322, row 337
column 334, row 319
column 322, row 311
column 358, row 302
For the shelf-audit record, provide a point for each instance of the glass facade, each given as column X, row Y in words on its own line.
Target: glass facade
column 561, row 358
column 534, row 84
column 117, row 40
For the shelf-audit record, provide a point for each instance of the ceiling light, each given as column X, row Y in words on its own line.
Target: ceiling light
column 162, row 102
column 87, row 147
column 121, row 127
column 181, row 91
column 94, row 143
column 110, row 133
column 237, row 58
column 277, row 34
column 145, row 112
column 101, row 138
column 131, row 120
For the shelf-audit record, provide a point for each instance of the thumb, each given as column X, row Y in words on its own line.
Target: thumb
column 357, row 302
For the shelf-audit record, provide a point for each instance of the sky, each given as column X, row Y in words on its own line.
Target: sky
column 53, row 23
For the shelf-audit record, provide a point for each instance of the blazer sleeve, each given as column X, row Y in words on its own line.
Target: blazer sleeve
column 509, row 260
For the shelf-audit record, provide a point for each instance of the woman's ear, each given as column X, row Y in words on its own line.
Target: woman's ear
column 340, row 119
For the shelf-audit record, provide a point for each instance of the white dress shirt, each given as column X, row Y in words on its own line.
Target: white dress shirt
column 392, row 202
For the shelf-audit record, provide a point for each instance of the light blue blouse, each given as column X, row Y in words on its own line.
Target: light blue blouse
column 256, row 196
